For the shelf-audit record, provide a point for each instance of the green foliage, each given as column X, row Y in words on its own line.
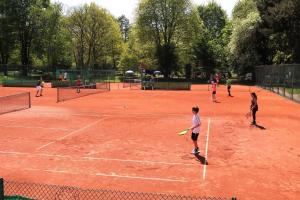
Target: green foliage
column 96, row 37
column 211, row 50
column 124, row 27
column 8, row 37
column 281, row 29
column 245, row 52
column 160, row 25
column 265, row 32
column 214, row 18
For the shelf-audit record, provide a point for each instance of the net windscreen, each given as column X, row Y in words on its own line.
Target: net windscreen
column 68, row 93
column 15, row 102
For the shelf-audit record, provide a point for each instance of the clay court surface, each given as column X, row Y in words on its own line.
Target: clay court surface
column 127, row 140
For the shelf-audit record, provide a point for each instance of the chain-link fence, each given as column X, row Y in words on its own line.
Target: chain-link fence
column 281, row 79
column 53, row 192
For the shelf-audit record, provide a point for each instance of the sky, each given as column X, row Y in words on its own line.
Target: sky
column 127, row 7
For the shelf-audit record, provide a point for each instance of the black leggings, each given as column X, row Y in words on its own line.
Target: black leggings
column 254, row 115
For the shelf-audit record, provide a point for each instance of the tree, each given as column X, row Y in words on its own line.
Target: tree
column 7, row 34
column 96, row 37
column 124, row 27
column 159, row 22
column 214, row 18
column 25, row 15
column 53, row 45
column 212, row 49
column 281, row 29
column 243, row 46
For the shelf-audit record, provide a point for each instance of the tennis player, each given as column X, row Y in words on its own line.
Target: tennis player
column 195, row 129
column 228, row 83
column 39, row 88
column 78, row 84
column 214, row 90
column 253, row 107
column 42, row 87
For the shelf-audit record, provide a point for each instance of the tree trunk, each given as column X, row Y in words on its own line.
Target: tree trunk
column 24, row 53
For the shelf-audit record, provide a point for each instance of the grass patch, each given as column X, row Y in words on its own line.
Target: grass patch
column 15, row 198
column 294, row 91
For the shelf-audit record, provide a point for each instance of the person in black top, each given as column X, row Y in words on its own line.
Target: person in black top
column 254, row 107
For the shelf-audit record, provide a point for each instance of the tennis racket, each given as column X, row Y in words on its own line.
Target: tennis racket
column 182, row 133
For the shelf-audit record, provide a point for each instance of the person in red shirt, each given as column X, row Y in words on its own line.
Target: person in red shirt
column 78, row 84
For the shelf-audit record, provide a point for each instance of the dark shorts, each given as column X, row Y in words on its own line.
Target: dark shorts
column 195, row 136
column 214, row 92
column 228, row 87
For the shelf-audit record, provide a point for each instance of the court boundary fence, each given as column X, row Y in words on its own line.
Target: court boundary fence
column 55, row 192
column 280, row 79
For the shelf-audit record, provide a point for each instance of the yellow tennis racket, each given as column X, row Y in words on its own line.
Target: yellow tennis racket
column 182, row 133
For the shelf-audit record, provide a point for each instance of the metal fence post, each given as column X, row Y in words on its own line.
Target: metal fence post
column 293, row 80
column 1, row 189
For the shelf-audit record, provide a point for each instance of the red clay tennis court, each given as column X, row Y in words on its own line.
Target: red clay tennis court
column 127, row 140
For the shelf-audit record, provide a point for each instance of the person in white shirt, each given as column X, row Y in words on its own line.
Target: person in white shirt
column 65, row 76
column 195, row 129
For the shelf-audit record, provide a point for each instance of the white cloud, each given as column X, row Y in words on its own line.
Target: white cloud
column 127, row 7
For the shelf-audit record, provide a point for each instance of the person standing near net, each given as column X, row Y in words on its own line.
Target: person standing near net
column 195, row 129
column 214, row 90
column 78, row 84
column 253, row 107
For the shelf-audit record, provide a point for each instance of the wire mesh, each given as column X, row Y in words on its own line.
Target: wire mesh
column 54, row 192
column 68, row 93
column 281, row 79
column 15, row 102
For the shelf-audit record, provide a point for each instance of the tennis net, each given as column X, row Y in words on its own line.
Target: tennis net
column 68, row 93
column 15, row 102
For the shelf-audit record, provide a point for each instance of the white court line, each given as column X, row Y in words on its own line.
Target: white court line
column 37, row 127
column 72, row 133
column 94, row 158
column 114, row 175
column 120, row 114
column 142, row 178
column 206, row 149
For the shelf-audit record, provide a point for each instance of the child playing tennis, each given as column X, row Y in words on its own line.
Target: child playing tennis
column 253, row 107
column 195, row 129
column 214, row 90
column 228, row 83
column 78, row 84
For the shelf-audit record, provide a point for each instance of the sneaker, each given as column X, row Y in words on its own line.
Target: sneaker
column 195, row 151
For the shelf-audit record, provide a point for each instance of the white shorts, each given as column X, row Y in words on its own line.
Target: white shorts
column 38, row 87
